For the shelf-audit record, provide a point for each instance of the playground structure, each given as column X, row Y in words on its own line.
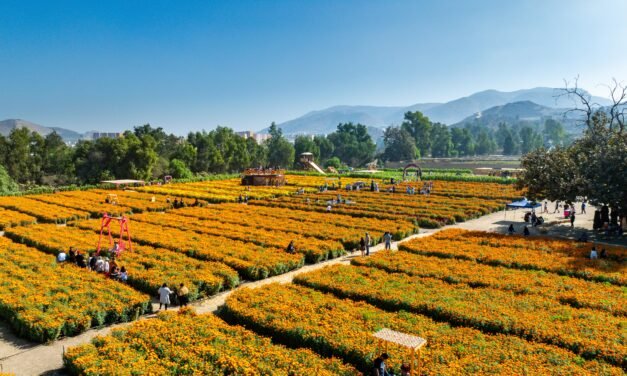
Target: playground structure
column 167, row 179
column 307, row 161
column 372, row 166
column 263, row 177
column 413, row 343
column 410, row 166
column 105, row 224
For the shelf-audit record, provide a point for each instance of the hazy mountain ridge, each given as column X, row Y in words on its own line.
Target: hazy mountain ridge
column 6, row 126
column 453, row 112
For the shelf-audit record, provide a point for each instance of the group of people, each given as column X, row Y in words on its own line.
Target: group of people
column 96, row 263
column 182, row 295
column 177, row 204
column 365, row 241
column 595, row 255
column 242, row 200
column 379, row 368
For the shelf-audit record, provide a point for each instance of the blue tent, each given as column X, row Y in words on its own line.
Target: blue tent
column 523, row 204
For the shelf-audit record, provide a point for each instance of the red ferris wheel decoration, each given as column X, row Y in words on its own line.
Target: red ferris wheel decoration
column 105, row 224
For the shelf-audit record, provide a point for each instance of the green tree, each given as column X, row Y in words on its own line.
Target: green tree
column 280, row 151
column 18, row 156
column 333, row 162
column 485, row 144
column 325, row 146
column 442, row 143
column 7, row 185
column 419, row 127
column 530, row 140
column 509, row 145
column 554, row 133
column 178, row 169
column 258, row 154
column 352, row 144
column 463, row 142
column 399, row 145
column 57, row 157
column 305, row 144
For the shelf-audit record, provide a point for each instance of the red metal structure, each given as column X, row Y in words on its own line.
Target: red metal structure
column 124, row 229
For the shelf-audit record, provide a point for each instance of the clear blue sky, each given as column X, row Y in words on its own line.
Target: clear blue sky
column 189, row 65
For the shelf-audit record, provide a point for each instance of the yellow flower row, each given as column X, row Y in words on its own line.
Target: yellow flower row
column 190, row 344
column 303, row 317
column 566, row 290
column 590, row 333
column 563, row 257
column 250, row 260
column 42, row 211
column 10, row 218
column 147, row 267
column 43, row 300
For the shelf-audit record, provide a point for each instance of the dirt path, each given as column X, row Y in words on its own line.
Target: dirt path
column 24, row 358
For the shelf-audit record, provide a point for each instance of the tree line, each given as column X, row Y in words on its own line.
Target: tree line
column 418, row 137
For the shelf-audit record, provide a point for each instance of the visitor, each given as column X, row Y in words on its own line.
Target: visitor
column 183, row 295
column 372, row 185
column 387, row 237
column 405, row 369
column 291, row 248
column 379, row 368
column 115, row 273
column 72, row 255
column 92, row 261
column 572, row 218
column 367, row 239
column 123, row 275
column 603, row 254
column 593, row 253
column 362, row 246
column 246, row 198
column 80, row 260
column 526, row 231
column 99, row 267
column 583, row 207
column 557, row 207
column 176, row 203
column 196, row 203
column 511, row 230
column 546, row 207
column 106, row 266
column 240, row 199
column 61, row 256
column 328, row 208
column 164, row 296
column 534, row 219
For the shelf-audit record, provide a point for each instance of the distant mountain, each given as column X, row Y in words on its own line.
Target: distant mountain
column 452, row 112
column 516, row 112
column 6, row 126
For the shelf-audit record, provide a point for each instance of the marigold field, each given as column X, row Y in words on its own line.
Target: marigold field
column 485, row 303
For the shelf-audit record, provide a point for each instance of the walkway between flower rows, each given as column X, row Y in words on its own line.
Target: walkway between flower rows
column 22, row 357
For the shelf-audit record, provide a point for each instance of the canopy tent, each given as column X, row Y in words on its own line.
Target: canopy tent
column 411, row 342
column 120, row 182
column 523, row 204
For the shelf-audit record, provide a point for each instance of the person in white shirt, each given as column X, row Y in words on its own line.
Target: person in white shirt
column 164, row 296
column 61, row 257
column 593, row 254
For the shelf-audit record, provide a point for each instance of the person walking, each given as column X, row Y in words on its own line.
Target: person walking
column 557, row 207
column 387, row 237
column 572, row 218
column 583, row 207
column 164, row 296
column 546, row 207
column 362, row 246
column 183, row 295
column 367, row 239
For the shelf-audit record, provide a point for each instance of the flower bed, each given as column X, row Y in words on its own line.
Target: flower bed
column 148, row 267
column 44, row 212
column 10, row 218
column 190, row 344
column 555, row 256
column 592, row 334
column 302, row 317
column 42, row 300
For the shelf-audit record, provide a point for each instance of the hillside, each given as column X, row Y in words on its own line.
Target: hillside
column 6, row 126
column 452, row 112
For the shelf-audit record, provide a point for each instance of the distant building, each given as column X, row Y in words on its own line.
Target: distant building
column 97, row 135
column 259, row 137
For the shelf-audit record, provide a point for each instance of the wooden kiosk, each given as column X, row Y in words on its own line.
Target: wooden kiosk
column 264, row 177
column 411, row 342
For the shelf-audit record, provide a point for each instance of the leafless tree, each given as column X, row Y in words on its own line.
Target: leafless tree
column 583, row 104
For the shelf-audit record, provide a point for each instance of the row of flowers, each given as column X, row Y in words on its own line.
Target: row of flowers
column 137, row 201
column 42, row 211
column 184, row 343
column 10, row 218
column 566, row 290
column 314, row 249
column 42, row 300
column 323, row 225
column 302, row 317
column 589, row 333
column 563, row 257
column 250, row 260
column 148, row 267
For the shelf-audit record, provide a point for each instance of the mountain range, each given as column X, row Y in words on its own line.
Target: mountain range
column 528, row 104
column 6, row 126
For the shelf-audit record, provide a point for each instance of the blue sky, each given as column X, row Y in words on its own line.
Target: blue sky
column 191, row 65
